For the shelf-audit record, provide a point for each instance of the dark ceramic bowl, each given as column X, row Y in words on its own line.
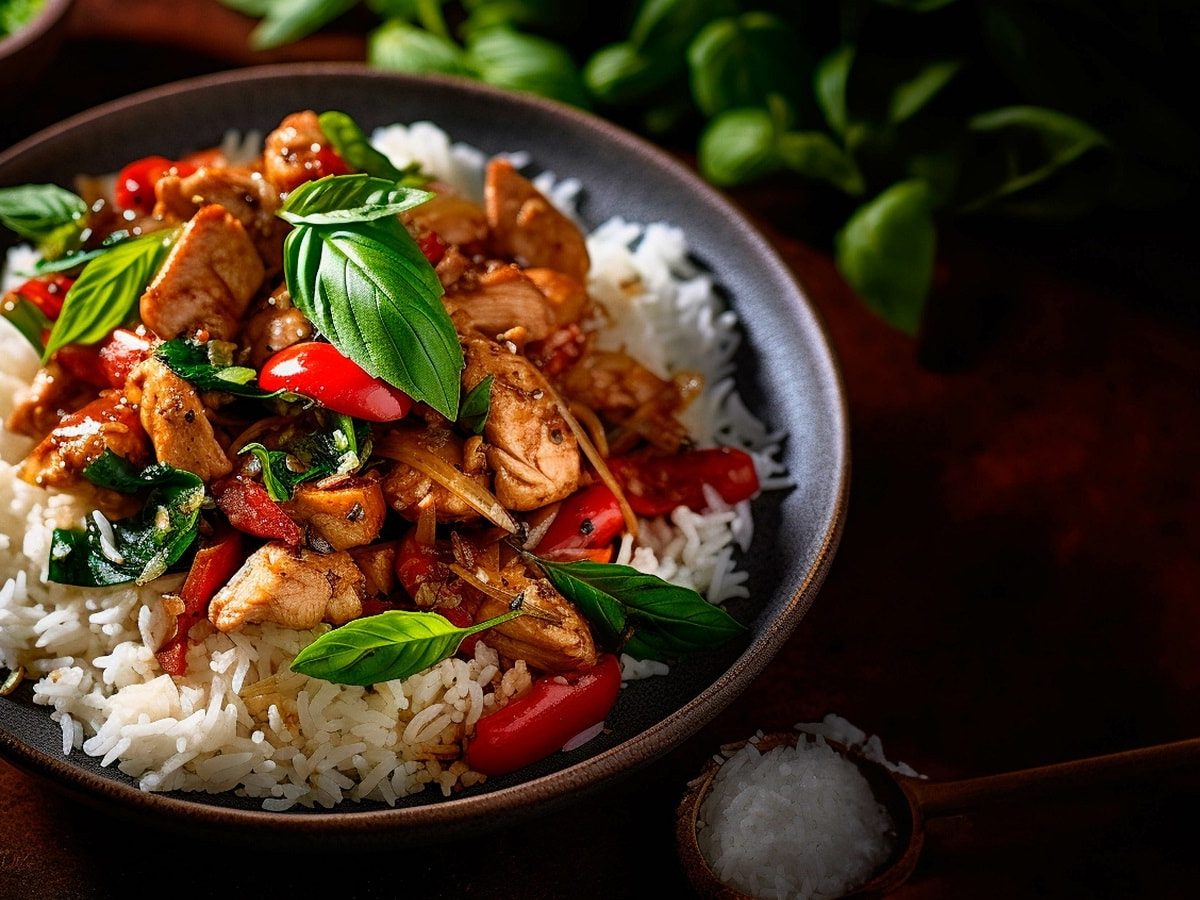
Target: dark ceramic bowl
column 786, row 373
column 25, row 53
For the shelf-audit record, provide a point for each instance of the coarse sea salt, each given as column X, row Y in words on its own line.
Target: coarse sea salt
column 794, row 822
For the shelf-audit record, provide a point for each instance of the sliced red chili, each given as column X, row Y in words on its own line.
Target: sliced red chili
column 655, row 485
column 319, row 371
column 250, row 508
column 47, row 293
column 211, row 570
column 135, row 182
column 120, row 353
column 534, row 726
column 587, row 520
column 433, row 247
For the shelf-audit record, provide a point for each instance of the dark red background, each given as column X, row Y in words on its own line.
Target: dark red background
column 1016, row 585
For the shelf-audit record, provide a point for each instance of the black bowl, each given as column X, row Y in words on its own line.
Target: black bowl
column 786, row 374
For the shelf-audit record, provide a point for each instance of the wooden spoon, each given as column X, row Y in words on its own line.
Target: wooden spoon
column 911, row 802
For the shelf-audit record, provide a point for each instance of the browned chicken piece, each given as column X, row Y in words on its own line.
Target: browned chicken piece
column 529, row 446
column 378, row 565
column 173, row 416
column 552, row 636
column 452, row 266
column 567, row 297
column 292, row 152
column 53, row 394
column 293, row 588
column 452, row 217
column 107, row 423
column 526, row 226
column 405, row 487
column 502, row 298
column 347, row 514
column 245, row 195
column 274, row 325
column 207, row 281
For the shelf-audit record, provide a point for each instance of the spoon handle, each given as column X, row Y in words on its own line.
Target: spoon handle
column 951, row 797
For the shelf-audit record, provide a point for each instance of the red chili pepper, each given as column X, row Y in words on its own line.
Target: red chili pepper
column 460, row 617
column 655, row 485
column 250, row 508
column 211, row 570
column 561, row 350
column 587, row 520
column 124, row 350
column 47, row 293
column 417, row 564
column 84, row 363
column 542, row 721
column 327, row 162
column 319, row 371
column 135, row 182
column 433, row 247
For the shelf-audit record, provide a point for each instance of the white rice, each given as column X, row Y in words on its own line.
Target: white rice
column 797, row 822
column 241, row 720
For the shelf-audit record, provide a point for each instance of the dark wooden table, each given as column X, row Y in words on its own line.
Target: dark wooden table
column 1017, row 582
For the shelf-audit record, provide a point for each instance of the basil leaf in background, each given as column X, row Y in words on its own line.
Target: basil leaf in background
column 738, row 145
column 886, row 252
column 401, row 9
column 27, row 319
column 621, row 73
column 666, row 27
column 354, row 147
column 372, row 293
column 190, row 361
column 1035, row 162
column 523, row 62
column 402, row 47
column 813, row 154
column 832, row 77
column 342, row 449
column 65, row 240
column 349, row 198
column 667, row 619
column 138, row 548
column 739, row 60
column 476, row 405
column 289, row 20
column 107, row 291
column 391, row 645
column 34, row 211
column 69, row 261
column 910, row 97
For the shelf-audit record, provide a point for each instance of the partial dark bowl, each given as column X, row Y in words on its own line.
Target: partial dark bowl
column 786, row 373
column 26, row 53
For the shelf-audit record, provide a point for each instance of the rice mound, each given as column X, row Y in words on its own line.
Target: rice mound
column 241, row 720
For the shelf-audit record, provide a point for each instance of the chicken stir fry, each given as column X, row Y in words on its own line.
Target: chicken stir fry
column 318, row 439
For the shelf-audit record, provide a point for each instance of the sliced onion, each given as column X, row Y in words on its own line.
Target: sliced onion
column 587, row 416
column 583, row 737
column 482, row 586
column 428, row 463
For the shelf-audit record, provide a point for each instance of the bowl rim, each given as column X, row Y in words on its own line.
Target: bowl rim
column 577, row 779
column 35, row 28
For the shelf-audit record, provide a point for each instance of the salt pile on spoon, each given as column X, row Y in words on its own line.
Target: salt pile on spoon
column 797, row 822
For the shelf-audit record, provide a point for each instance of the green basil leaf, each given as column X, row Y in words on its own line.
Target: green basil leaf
column 910, row 97
column 76, row 257
column 523, row 62
column 372, row 293
column 138, row 548
column 27, row 319
column 391, row 645
column 621, row 73
column 290, row 20
column 35, row 210
column 886, row 252
column 832, row 77
column 738, row 145
column 476, row 406
column 813, row 154
column 352, row 145
column 65, row 240
column 739, row 60
column 349, row 198
column 1031, row 161
column 402, row 47
column 667, row 619
column 666, row 27
column 107, row 291
column 191, row 362
column 342, row 449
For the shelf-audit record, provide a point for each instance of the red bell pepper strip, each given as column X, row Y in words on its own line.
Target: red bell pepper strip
column 84, row 363
column 47, row 293
column 655, row 485
column 553, row 712
column 250, row 508
column 417, row 563
column 319, row 371
column 433, row 247
column 135, row 182
column 587, row 520
column 124, row 350
column 211, row 570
